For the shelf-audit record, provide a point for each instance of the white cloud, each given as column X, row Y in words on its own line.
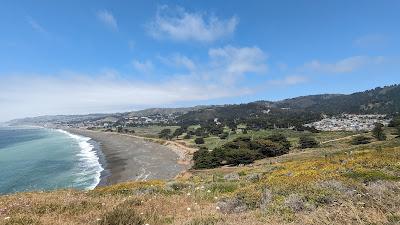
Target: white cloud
column 290, row 80
column 184, row 61
column 107, row 19
column 178, row 24
column 179, row 61
column 343, row 66
column 233, row 62
column 36, row 26
column 371, row 41
column 145, row 66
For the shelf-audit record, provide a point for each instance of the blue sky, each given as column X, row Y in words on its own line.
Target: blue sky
column 67, row 57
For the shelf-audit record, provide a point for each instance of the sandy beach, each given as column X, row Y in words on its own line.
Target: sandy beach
column 130, row 158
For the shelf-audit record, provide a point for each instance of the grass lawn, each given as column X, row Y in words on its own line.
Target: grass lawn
column 153, row 130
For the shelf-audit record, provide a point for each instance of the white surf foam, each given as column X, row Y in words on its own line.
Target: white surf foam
column 91, row 162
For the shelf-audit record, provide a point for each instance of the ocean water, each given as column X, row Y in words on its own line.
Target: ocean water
column 45, row 159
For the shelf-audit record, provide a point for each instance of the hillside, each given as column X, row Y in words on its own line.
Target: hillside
column 301, row 110
column 293, row 112
column 164, row 111
column 336, row 183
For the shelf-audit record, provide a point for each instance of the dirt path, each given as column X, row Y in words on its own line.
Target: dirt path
column 339, row 139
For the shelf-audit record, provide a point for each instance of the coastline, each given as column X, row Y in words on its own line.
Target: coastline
column 91, row 154
column 130, row 158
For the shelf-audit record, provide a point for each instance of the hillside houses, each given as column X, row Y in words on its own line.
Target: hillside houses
column 349, row 122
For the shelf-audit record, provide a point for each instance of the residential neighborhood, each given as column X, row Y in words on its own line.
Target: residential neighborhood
column 350, row 122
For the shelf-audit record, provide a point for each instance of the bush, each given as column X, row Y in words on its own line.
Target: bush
column 360, row 140
column 204, row 221
column 165, row 133
column 395, row 122
column 199, row 141
column 240, row 156
column 370, row 175
column 119, row 129
column 270, row 149
column 281, row 139
column 123, row 214
column 223, row 135
column 178, row 132
column 200, row 132
column 204, row 159
column 378, row 133
column 242, row 150
column 216, row 130
column 308, row 142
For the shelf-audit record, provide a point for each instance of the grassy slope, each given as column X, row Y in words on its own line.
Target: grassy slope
column 335, row 184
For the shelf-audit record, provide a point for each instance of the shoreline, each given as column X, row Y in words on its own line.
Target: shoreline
column 132, row 158
column 91, row 151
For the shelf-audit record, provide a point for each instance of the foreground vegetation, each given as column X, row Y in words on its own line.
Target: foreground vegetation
column 336, row 183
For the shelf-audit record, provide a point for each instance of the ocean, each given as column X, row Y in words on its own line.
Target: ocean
column 33, row 158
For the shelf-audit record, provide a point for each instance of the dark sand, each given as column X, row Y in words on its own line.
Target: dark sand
column 129, row 158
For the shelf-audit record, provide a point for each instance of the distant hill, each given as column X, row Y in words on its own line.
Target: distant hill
column 105, row 117
column 384, row 100
column 164, row 111
column 56, row 118
column 300, row 110
column 284, row 113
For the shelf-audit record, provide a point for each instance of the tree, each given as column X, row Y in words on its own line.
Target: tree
column 269, row 148
column 178, row 132
column 119, row 129
column 308, row 142
column 398, row 131
column 281, row 139
column 378, row 133
column 360, row 140
column 240, row 156
column 200, row 132
column 395, row 122
column 216, row 130
column 199, row 140
column 231, row 124
column 204, row 159
column 223, row 135
column 165, row 133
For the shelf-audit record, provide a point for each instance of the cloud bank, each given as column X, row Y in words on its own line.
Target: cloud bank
column 72, row 92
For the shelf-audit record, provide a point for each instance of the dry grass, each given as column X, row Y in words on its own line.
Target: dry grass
column 354, row 185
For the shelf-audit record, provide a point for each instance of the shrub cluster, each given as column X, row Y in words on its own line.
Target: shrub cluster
column 308, row 142
column 360, row 140
column 378, row 133
column 242, row 150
